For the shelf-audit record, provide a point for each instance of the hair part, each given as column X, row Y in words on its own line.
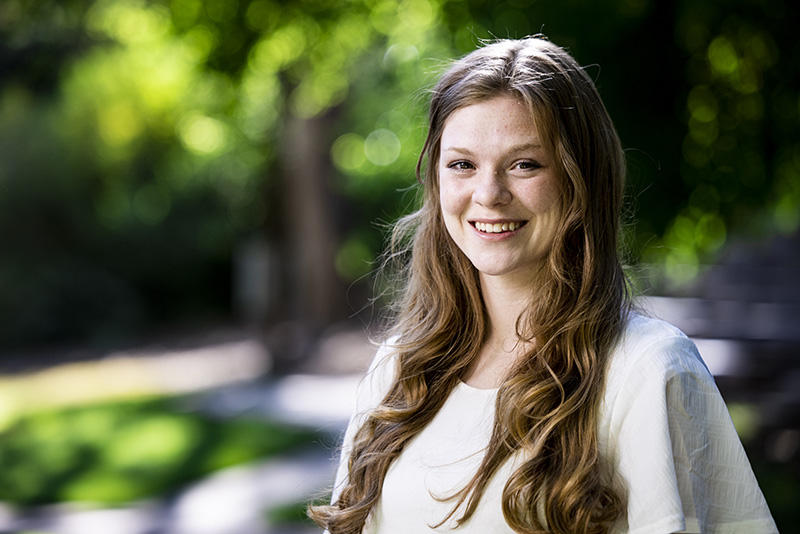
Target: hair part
column 546, row 411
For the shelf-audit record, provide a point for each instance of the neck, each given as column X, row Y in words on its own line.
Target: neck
column 506, row 298
column 505, row 302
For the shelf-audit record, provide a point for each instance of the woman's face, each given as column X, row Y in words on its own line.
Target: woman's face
column 499, row 190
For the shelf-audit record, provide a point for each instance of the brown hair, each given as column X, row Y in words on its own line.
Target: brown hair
column 547, row 408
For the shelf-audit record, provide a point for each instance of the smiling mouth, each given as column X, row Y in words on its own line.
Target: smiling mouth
column 498, row 228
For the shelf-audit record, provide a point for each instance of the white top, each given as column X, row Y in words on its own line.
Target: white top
column 663, row 425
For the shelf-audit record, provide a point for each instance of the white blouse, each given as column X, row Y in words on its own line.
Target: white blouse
column 662, row 424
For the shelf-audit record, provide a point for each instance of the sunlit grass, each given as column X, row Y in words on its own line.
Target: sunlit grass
column 123, row 376
column 117, row 452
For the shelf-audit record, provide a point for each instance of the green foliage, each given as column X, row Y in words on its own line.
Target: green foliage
column 141, row 140
column 779, row 484
column 115, row 453
column 290, row 514
column 740, row 162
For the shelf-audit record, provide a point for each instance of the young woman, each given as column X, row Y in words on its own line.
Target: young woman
column 518, row 391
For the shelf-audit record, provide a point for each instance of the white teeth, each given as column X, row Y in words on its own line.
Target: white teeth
column 497, row 227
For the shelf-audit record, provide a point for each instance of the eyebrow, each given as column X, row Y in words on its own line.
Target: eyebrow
column 513, row 150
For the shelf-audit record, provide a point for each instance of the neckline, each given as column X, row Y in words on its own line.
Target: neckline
column 476, row 390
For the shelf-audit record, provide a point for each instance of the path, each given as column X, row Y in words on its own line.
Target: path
column 235, row 500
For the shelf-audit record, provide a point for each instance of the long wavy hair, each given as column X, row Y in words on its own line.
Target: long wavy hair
column 547, row 408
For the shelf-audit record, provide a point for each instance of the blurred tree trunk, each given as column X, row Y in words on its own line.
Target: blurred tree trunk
column 315, row 297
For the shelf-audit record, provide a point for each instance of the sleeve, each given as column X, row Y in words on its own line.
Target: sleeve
column 371, row 391
column 672, row 441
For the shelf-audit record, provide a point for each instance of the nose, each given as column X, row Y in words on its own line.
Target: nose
column 491, row 190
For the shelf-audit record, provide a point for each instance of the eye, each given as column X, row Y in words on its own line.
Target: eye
column 460, row 165
column 528, row 165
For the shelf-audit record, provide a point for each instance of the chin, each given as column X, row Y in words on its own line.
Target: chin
column 517, row 272
column 494, row 270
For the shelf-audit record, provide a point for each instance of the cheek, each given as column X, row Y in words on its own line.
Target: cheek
column 541, row 197
column 452, row 206
column 452, row 198
column 548, row 210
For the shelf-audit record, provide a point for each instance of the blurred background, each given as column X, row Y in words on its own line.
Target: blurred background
column 193, row 196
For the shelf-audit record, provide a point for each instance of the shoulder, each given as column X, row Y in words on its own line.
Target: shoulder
column 642, row 333
column 652, row 364
column 655, row 348
column 379, row 378
column 667, row 432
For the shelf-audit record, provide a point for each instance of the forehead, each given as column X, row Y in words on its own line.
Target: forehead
column 500, row 119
